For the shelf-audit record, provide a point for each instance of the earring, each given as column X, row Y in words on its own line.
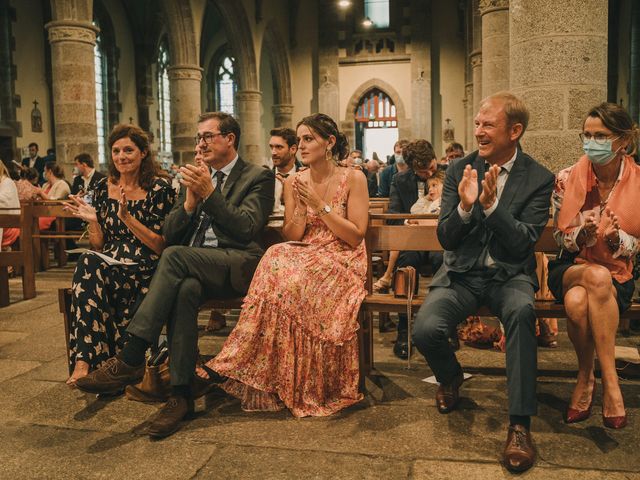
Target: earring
column 328, row 155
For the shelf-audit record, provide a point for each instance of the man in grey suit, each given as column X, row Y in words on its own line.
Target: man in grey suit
column 491, row 217
column 213, row 253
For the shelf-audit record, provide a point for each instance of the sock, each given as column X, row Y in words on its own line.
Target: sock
column 181, row 391
column 134, row 351
column 524, row 420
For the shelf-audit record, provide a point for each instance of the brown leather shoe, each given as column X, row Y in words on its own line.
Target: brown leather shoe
column 154, row 387
column 167, row 420
column 447, row 396
column 110, row 378
column 519, row 452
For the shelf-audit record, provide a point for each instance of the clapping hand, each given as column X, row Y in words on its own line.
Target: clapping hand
column 197, row 180
column 78, row 207
column 590, row 225
column 489, row 192
column 610, row 226
column 123, row 209
column 468, row 188
column 306, row 194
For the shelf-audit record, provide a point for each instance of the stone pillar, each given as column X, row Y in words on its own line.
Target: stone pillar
column 469, row 114
column 282, row 115
column 184, row 85
column 421, row 94
column 476, row 76
column 74, row 89
column 249, row 106
column 558, row 66
column 495, row 46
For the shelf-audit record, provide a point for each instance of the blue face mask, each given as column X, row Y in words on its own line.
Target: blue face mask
column 598, row 154
column 399, row 158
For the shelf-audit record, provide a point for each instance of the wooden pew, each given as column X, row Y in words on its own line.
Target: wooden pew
column 50, row 208
column 424, row 238
column 22, row 258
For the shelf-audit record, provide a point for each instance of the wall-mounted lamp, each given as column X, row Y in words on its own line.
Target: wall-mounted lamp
column 344, row 3
column 367, row 23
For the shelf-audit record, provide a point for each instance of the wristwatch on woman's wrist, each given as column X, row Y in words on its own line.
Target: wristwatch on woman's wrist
column 323, row 210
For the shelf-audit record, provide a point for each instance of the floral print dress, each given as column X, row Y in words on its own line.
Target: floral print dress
column 104, row 297
column 296, row 342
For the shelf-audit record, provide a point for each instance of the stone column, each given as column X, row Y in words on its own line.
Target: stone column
column 184, row 85
column 495, row 46
column 476, row 76
column 469, row 114
column 282, row 115
column 558, row 66
column 249, row 106
column 74, row 89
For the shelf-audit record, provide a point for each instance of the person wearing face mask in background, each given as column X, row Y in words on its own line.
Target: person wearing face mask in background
column 398, row 165
column 597, row 229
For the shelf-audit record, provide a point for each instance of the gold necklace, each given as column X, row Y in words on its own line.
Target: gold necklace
column 326, row 189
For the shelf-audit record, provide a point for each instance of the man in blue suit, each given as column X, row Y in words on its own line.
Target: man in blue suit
column 495, row 205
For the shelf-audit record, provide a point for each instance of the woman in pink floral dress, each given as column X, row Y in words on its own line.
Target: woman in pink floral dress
column 296, row 344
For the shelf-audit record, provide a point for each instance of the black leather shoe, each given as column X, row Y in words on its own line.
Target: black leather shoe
column 401, row 347
column 111, row 378
column 447, row 396
column 168, row 420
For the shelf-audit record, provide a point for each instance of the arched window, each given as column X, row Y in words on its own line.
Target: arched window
column 164, row 99
column 101, row 97
column 376, row 124
column 226, row 84
column 376, row 110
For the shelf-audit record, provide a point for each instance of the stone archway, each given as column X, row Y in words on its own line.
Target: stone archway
column 276, row 49
column 348, row 125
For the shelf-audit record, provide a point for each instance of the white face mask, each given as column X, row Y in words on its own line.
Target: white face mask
column 399, row 158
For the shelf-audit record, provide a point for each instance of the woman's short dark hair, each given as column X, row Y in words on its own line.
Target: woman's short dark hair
column 54, row 168
column 324, row 126
column 149, row 169
column 29, row 174
column 418, row 154
column 618, row 120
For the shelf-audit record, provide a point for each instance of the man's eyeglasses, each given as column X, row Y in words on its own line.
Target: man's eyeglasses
column 600, row 138
column 207, row 137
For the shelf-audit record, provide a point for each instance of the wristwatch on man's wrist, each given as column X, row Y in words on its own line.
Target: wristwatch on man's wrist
column 323, row 210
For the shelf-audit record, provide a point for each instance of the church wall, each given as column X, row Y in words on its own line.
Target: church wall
column 266, row 86
column 351, row 77
column 126, row 68
column 448, row 99
column 303, row 60
column 28, row 57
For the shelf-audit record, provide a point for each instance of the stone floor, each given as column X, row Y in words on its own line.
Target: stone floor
column 51, row 431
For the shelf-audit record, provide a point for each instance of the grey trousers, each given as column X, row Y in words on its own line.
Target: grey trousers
column 512, row 302
column 184, row 278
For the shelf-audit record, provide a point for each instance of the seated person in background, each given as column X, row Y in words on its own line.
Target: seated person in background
column 398, row 165
column 488, row 230
column 125, row 223
column 55, row 188
column 8, row 199
column 212, row 231
column 407, row 190
column 371, row 169
column 283, row 145
column 87, row 177
column 28, row 184
column 597, row 229
column 296, row 343
column 454, row 150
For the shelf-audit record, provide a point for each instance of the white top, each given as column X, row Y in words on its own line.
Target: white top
column 59, row 190
column 8, row 198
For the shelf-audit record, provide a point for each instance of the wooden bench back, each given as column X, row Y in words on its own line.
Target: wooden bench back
column 421, row 237
column 22, row 258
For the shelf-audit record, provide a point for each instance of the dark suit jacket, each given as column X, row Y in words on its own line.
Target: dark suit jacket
column 239, row 213
column 39, row 166
column 78, row 182
column 386, row 177
column 404, row 192
column 511, row 230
